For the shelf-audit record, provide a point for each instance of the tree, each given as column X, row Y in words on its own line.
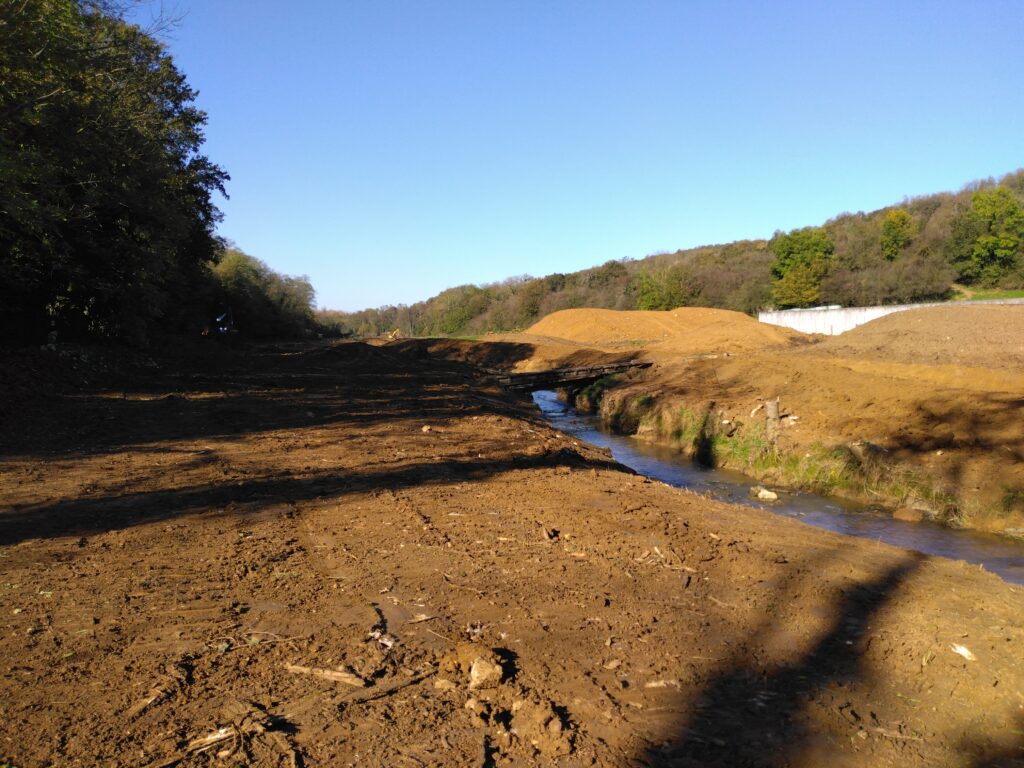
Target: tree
column 898, row 229
column 801, row 261
column 799, row 287
column 107, row 221
column 988, row 238
column 263, row 303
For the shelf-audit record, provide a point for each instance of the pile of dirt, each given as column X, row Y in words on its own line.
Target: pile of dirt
column 984, row 336
column 689, row 330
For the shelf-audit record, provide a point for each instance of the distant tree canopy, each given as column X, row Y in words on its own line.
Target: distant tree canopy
column 262, row 303
column 898, row 229
column 106, row 212
column 801, row 262
column 988, row 238
column 905, row 253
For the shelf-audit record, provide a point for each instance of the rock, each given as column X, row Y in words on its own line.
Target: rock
column 485, row 673
column 478, row 708
column 481, row 665
column 763, row 494
column 425, row 428
column 538, row 724
column 927, row 512
column 867, row 454
column 908, row 514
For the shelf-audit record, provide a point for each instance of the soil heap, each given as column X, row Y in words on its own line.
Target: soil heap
column 687, row 330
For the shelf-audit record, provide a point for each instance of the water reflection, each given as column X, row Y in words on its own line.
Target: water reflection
column 1005, row 558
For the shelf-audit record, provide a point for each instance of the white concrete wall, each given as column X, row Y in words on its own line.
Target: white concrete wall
column 835, row 320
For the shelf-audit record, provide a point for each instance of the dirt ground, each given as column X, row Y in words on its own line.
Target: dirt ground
column 335, row 555
column 935, row 396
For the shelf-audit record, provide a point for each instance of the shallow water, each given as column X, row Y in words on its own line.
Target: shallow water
column 995, row 554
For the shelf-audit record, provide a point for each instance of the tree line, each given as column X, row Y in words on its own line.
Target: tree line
column 108, row 221
column 107, row 214
column 911, row 252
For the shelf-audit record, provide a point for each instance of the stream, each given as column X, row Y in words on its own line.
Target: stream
column 996, row 554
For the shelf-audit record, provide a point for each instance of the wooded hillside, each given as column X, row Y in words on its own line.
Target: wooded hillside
column 913, row 251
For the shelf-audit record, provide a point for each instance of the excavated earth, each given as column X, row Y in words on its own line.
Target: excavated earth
column 340, row 554
column 934, row 397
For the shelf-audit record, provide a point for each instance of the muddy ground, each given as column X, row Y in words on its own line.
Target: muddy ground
column 338, row 555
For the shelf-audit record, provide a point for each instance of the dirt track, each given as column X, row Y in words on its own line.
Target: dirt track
column 307, row 556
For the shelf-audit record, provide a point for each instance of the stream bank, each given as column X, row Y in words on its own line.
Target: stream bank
column 720, row 436
column 666, row 463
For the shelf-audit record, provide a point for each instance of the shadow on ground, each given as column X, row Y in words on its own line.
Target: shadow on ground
column 98, row 514
column 288, row 389
column 750, row 714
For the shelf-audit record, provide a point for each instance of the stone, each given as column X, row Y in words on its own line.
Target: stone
column 479, row 663
column 484, row 673
column 538, row 724
column 909, row 514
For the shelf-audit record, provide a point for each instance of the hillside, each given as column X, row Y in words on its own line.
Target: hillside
column 908, row 252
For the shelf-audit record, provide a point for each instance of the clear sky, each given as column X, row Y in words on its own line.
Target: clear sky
column 391, row 149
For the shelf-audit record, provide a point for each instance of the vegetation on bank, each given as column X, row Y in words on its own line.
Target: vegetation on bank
column 911, row 252
column 856, row 471
column 107, row 211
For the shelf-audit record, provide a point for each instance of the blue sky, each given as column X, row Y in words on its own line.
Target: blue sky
column 389, row 149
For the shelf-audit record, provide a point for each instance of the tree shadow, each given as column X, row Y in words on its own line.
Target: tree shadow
column 704, row 442
column 125, row 508
column 481, row 354
column 264, row 390
column 1005, row 752
column 286, row 388
column 749, row 714
column 954, row 437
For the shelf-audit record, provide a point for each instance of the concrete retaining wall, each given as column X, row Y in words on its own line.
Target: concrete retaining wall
column 835, row 320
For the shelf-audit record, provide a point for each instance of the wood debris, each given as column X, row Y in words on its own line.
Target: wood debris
column 334, row 675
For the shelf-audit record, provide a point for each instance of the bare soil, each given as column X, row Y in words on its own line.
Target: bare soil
column 935, row 395
column 981, row 336
column 350, row 555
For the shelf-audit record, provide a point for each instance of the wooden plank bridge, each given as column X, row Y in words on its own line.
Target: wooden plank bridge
column 556, row 378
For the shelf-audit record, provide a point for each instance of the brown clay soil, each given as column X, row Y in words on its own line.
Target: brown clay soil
column 569, row 336
column 981, row 336
column 351, row 555
column 936, row 394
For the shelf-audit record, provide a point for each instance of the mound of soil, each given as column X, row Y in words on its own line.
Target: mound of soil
column 986, row 336
column 690, row 330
